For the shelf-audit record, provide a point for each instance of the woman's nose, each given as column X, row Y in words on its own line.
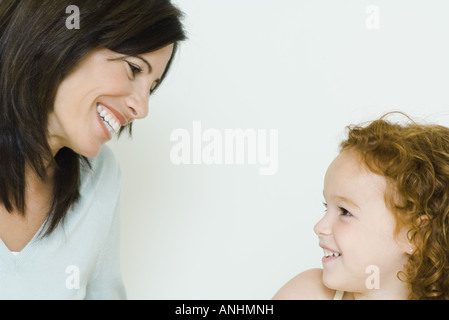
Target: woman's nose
column 137, row 104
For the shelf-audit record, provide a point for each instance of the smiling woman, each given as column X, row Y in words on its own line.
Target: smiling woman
column 105, row 93
column 64, row 93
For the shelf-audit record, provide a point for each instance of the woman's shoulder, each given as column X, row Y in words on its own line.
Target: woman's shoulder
column 99, row 195
column 307, row 285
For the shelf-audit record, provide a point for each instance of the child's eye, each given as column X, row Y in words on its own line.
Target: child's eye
column 345, row 212
column 134, row 69
column 325, row 206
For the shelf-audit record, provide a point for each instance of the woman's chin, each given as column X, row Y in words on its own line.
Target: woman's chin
column 89, row 151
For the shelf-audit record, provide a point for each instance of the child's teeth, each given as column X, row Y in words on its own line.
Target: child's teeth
column 331, row 254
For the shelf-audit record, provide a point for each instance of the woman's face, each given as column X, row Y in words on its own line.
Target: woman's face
column 359, row 229
column 105, row 92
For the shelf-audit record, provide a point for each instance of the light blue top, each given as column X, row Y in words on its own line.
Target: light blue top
column 80, row 258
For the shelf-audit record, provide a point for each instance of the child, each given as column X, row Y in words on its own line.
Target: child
column 385, row 232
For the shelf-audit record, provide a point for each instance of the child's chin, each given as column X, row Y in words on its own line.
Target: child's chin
column 331, row 279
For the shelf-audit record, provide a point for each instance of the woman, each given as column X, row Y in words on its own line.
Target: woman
column 64, row 93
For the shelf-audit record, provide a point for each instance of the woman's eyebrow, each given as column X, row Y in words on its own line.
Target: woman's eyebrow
column 150, row 69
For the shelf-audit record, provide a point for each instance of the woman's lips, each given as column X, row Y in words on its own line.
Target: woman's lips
column 111, row 120
column 122, row 121
column 103, row 127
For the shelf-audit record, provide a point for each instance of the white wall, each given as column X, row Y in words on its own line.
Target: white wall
column 306, row 68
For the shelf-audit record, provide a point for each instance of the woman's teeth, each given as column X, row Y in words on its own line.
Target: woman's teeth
column 108, row 119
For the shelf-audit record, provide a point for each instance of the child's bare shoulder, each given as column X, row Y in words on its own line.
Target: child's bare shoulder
column 307, row 285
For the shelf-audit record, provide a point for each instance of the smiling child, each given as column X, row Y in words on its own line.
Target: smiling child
column 387, row 213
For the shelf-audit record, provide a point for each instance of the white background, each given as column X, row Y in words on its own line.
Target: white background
column 307, row 68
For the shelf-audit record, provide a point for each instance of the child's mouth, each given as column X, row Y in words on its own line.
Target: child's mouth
column 330, row 255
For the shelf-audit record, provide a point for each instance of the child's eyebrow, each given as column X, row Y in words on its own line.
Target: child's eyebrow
column 348, row 201
column 344, row 199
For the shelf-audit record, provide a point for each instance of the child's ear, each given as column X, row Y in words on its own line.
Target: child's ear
column 404, row 242
column 409, row 247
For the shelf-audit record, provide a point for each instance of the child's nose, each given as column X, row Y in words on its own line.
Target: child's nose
column 322, row 227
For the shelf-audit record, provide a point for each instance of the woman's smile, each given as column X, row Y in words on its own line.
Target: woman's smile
column 101, row 96
column 111, row 119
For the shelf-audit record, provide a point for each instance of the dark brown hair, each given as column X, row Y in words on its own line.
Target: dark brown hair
column 37, row 51
column 414, row 159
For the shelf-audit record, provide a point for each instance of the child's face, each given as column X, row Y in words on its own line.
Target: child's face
column 358, row 226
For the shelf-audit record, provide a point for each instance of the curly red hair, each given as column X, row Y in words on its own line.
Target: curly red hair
column 414, row 159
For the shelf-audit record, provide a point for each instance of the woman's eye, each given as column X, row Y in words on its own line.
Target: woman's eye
column 134, row 69
column 154, row 86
